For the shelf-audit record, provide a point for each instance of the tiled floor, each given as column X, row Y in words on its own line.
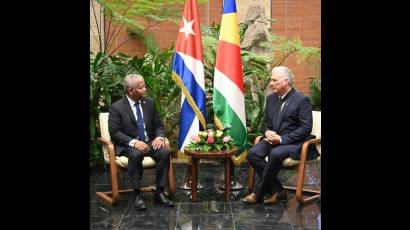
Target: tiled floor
column 210, row 211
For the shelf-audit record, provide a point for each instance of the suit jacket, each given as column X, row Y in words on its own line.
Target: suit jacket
column 294, row 123
column 122, row 124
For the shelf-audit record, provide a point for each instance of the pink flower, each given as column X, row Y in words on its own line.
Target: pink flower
column 195, row 138
column 210, row 140
column 227, row 139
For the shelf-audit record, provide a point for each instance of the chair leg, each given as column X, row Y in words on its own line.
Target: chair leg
column 107, row 197
column 300, row 192
column 114, row 185
column 312, row 195
column 171, row 178
column 104, row 196
column 299, row 187
column 251, row 179
column 112, row 196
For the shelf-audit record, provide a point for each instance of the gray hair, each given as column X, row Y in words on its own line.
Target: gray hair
column 284, row 72
column 130, row 81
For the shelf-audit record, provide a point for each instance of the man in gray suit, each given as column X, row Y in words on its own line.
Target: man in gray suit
column 287, row 123
column 137, row 131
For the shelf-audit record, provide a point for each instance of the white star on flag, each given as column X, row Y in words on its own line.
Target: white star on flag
column 187, row 29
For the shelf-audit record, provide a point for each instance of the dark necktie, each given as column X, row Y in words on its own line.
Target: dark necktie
column 140, row 123
column 280, row 103
column 282, row 100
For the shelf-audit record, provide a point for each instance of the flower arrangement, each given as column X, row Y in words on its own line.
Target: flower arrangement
column 211, row 139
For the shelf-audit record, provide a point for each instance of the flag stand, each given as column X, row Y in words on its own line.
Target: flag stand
column 187, row 180
column 235, row 183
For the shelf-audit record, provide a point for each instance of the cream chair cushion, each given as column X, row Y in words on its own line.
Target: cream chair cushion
column 121, row 161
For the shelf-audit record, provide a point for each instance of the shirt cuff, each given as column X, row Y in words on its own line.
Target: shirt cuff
column 132, row 142
column 280, row 140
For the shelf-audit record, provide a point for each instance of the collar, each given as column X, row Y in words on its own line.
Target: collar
column 283, row 97
column 132, row 102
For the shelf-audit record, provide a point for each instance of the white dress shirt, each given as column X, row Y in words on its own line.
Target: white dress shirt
column 134, row 112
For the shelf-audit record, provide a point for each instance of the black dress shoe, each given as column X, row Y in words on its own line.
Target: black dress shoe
column 161, row 199
column 139, row 203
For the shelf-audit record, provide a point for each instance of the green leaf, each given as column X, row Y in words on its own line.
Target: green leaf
column 92, row 128
column 207, row 147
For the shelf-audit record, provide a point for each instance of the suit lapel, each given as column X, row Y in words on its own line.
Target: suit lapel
column 272, row 110
column 145, row 112
column 285, row 108
column 129, row 110
column 275, row 115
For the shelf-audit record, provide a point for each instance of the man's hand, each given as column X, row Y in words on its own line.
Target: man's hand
column 141, row 146
column 157, row 143
column 272, row 137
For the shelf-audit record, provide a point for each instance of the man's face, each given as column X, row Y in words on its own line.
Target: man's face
column 139, row 91
column 278, row 83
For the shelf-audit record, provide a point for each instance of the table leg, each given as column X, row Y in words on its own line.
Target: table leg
column 227, row 177
column 194, row 171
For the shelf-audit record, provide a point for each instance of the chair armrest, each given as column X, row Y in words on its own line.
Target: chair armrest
column 168, row 147
column 111, row 151
column 110, row 145
column 257, row 139
column 305, row 146
column 105, row 141
column 166, row 143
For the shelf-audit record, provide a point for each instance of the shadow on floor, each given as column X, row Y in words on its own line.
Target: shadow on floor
column 210, row 211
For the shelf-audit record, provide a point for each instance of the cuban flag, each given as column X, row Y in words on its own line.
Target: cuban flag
column 228, row 94
column 188, row 73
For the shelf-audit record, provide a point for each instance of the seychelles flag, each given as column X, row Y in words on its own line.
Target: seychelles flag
column 188, row 73
column 228, row 94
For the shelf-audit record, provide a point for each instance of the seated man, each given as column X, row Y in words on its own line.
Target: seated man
column 137, row 131
column 287, row 123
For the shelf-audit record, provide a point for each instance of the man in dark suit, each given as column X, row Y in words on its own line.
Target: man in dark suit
column 287, row 123
column 137, row 131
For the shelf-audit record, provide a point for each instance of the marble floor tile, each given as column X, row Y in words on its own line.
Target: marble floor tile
column 211, row 211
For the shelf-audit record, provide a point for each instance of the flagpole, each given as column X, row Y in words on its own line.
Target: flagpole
column 188, row 73
column 228, row 94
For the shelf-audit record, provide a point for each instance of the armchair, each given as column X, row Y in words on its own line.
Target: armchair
column 298, row 166
column 120, row 163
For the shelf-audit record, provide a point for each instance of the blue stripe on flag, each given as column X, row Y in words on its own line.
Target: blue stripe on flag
column 186, row 119
column 229, row 6
column 189, row 81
